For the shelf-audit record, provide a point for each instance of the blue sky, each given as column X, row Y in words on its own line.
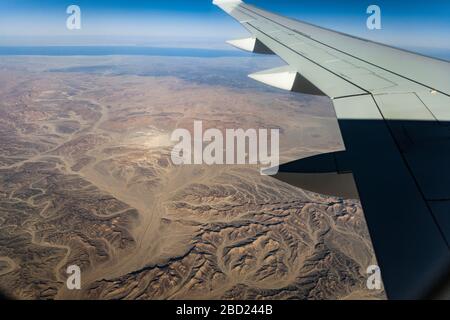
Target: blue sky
column 410, row 24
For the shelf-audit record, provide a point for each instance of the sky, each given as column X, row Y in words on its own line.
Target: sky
column 198, row 23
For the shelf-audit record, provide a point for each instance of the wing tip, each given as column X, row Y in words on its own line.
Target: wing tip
column 219, row 2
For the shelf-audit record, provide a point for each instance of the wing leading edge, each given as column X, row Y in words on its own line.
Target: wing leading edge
column 393, row 109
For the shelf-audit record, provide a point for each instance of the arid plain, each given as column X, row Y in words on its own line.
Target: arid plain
column 86, row 179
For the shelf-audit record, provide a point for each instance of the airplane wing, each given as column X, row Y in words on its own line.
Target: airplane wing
column 393, row 108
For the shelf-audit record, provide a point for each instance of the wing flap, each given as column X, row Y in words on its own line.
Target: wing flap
column 409, row 244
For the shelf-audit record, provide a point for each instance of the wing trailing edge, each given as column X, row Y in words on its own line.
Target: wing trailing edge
column 326, row 174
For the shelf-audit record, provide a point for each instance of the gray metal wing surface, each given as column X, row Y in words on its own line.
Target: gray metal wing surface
column 393, row 108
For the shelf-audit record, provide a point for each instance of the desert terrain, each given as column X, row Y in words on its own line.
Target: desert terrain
column 86, row 179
